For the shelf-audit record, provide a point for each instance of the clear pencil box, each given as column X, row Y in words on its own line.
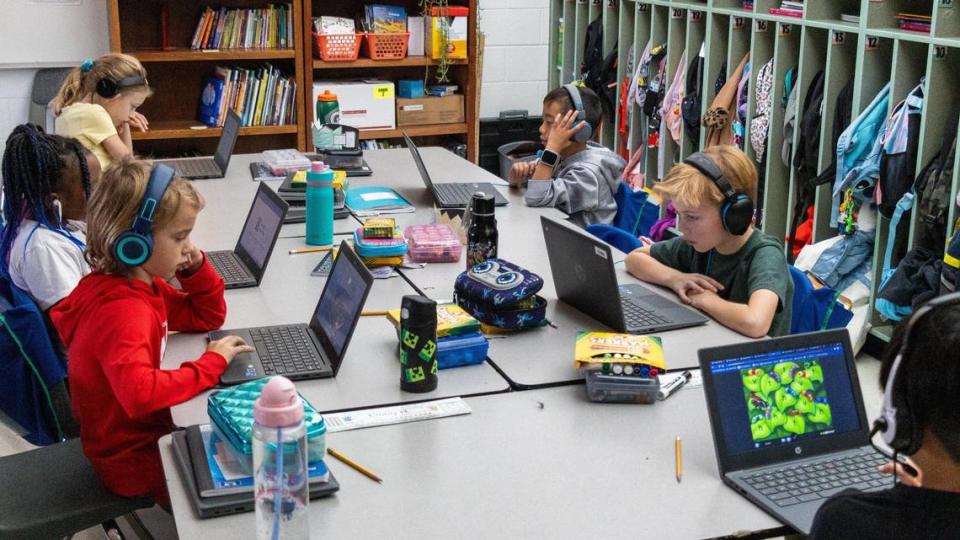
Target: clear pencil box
column 621, row 388
column 433, row 243
column 285, row 161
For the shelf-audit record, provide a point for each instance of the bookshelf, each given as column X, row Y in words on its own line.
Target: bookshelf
column 462, row 73
column 177, row 75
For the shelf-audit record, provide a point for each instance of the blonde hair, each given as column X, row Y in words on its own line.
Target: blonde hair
column 688, row 187
column 116, row 201
column 114, row 66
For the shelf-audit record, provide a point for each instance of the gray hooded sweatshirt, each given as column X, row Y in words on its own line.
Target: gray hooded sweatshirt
column 583, row 186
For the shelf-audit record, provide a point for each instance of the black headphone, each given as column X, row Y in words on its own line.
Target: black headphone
column 897, row 424
column 134, row 246
column 107, row 88
column 736, row 213
column 585, row 133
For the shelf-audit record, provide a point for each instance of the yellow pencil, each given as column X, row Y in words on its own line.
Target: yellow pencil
column 354, row 465
column 310, row 249
column 373, row 314
column 678, row 447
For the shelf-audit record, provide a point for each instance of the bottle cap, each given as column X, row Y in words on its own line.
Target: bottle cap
column 416, row 307
column 279, row 404
column 483, row 204
column 318, row 167
column 327, row 95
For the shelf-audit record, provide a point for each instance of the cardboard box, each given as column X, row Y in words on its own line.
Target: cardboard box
column 367, row 104
column 430, row 110
column 456, row 36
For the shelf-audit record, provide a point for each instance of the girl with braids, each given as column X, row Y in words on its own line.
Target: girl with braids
column 46, row 183
column 97, row 105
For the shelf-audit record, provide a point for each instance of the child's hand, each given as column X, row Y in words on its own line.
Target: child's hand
column 522, row 171
column 689, row 285
column 138, row 121
column 193, row 262
column 229, row 347
column 905, row 477
column 565, row 127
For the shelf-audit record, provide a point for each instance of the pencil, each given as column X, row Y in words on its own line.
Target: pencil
column 354, row 465
column 373, row 314
column 678, row 448
column 310, row 249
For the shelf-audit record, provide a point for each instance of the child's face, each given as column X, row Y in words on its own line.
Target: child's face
column 700, row 225
column 73, row 200
column 121, row 106
column 551, row 111
column 171, row 244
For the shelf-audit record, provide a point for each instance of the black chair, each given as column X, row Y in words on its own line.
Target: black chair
column 53, row 492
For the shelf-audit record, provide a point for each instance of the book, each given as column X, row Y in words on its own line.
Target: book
column 216, row 469
column 374, row 200
column 383, row 19
column 452, row 320
column 593, row 349
column 210, row 99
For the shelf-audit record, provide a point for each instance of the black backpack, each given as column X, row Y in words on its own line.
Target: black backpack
column 897, row 170
column 932, row 190
column 692, row 101
column 598, row 73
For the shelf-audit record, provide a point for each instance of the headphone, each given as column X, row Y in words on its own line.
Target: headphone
column 897, row 424
column 134, row 246
column 736, row 213
column 586, row 132
column 108, row 88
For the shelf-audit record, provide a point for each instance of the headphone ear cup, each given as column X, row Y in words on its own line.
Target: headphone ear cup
column 132, row 249
column 585, row 133
column 107, row 88
column 737, row 214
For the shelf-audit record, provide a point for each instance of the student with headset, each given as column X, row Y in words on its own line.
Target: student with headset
column 921, row 380
column 115, row 323
column 574, row 173
column 720, row 264
column 97, row 105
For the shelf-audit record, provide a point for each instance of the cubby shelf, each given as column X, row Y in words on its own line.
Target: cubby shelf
column 219, row 55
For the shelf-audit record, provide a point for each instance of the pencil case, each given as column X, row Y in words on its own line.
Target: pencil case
column 460, row 350
column 379, row 247
column 502, row 294
column 433, row 243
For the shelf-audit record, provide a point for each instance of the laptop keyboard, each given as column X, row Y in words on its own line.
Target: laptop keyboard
column 195, row 167
column 638, row 317
column 229, row 268
column 285, row 349
column 819, row 480
column 454, row 193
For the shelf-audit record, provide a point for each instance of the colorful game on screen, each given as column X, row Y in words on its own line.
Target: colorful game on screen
column 786, row 399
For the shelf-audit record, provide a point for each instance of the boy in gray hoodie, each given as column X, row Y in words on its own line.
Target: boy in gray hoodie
column 574, row 173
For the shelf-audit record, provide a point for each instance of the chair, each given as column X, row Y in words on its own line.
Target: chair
column 815, row 309
column 635, row 215
column 53, row 491
column 46, row 84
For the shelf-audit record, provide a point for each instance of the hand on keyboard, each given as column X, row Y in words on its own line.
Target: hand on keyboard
column 905, row 477
column 230, row 346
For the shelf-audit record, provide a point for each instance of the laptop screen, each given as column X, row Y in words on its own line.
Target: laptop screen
column 228, row 138
column 340, row 303
column 781, row 395
column 419, row 161
column 261, row 229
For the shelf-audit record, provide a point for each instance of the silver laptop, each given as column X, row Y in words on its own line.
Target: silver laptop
column 196, row 168
column 788, row 423
column 245, row 265
column 452, row 194
column 585, row 278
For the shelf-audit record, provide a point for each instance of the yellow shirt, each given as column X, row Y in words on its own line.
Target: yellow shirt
column 91, row 125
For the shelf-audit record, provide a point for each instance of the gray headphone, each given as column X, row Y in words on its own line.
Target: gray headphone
column 586, row 133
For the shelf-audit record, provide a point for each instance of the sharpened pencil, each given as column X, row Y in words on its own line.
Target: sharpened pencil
column 354, row 465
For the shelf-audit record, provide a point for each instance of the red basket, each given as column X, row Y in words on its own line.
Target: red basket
column 387, row 46
column 337, row 47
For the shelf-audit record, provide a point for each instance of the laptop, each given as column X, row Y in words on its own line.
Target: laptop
column 788, row 453
column 585, row 278
column 307, row 351
column 245, row 265
column 451, row 195
column 196, row 168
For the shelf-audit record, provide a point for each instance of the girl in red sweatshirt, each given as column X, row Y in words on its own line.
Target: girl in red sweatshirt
column 115, row 326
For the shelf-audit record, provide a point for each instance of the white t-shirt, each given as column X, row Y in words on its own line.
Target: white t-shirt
column 51, row 265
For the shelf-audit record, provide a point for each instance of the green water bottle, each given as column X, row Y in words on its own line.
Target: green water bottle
column 328, row 109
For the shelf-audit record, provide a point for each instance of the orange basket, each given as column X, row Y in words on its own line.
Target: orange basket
column 337, row 47
column 387, row 46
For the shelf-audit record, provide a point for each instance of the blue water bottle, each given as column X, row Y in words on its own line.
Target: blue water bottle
column 319, row 204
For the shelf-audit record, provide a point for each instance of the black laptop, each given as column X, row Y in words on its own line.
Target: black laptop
column 196, row 168
column 245, row 265
column 307, row 351
column 451, row 195
column 788, row 423
column 585, row 278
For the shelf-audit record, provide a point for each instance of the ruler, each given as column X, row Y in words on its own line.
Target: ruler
column 398, row 414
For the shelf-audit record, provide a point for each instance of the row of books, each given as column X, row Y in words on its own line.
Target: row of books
column 789, row 8
column 913, row 22
column 261, row 96
column 262, row 28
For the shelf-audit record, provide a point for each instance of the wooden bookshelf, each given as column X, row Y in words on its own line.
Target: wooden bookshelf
column 366, row 63
column 184, row 129
column 220, row 55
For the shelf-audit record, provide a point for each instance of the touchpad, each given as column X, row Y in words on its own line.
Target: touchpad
column 656, row 301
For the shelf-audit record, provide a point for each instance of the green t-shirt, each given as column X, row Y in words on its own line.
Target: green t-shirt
column 760, row 264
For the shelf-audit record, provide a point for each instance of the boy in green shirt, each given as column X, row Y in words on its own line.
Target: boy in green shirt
column 721, row 264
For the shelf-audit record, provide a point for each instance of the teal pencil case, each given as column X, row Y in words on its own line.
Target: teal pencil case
column 379, row 247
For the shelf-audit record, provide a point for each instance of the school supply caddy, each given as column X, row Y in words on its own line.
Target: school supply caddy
column 459, row 341
column 502, row 294
column 620, row 367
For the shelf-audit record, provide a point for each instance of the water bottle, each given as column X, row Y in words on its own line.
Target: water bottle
column 319, row 204
column 482, row 235
column 418, row 344
column 281, row 488
column 328, row 108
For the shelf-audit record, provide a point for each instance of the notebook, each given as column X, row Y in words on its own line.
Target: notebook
column 789, row 427
column 215, row 166
column 374, row 200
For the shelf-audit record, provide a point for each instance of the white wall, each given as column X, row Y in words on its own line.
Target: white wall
column 15, row 87
column 515, row 58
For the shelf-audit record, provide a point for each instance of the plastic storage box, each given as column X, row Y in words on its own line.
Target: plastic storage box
column 386, row 46
column 610, row 388
column 337, row 47
column 285, row 161
column 463, row 350
column 433, row 243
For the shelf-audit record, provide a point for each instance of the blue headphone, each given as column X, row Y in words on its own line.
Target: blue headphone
column 586, row 133
column 736, row 214
column 133, row 246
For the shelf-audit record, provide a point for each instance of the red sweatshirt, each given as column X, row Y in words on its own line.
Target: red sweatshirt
column 115, row 330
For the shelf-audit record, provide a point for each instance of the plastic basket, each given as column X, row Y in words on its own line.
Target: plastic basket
column 337, row 47
column 387, row 46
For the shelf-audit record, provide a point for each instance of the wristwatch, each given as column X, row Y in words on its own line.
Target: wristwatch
column 550, row 158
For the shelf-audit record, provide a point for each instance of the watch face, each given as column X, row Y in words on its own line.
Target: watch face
column 549, row 158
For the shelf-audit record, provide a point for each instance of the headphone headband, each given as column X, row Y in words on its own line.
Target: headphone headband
column 107, row 87
column 134, row 246
column 708, row 168
column 586, row 132
column 736, row 213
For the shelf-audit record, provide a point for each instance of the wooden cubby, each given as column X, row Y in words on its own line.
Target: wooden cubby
column 871, row 52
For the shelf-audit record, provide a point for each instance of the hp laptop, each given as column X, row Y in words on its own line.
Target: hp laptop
column 788, row 423
column 245, row 265
column 307, row 351
column 585, row 278
column 451, row 195
column 196, row 168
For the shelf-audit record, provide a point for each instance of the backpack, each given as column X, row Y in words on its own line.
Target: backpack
column 599, row 73
column 933, row 191
column 693, row 101
column 898, row 160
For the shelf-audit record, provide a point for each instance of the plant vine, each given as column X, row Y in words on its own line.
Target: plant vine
column 443, row 65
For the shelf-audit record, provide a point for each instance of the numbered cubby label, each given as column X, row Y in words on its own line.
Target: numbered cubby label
column 785, row 29
column 838, row 38
column 939, row 52
column 761, row 26
column 947, row 4
column 871, row 43
column 696, row 16
column 737, row 23
column 676, row 13
column 643, row 8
